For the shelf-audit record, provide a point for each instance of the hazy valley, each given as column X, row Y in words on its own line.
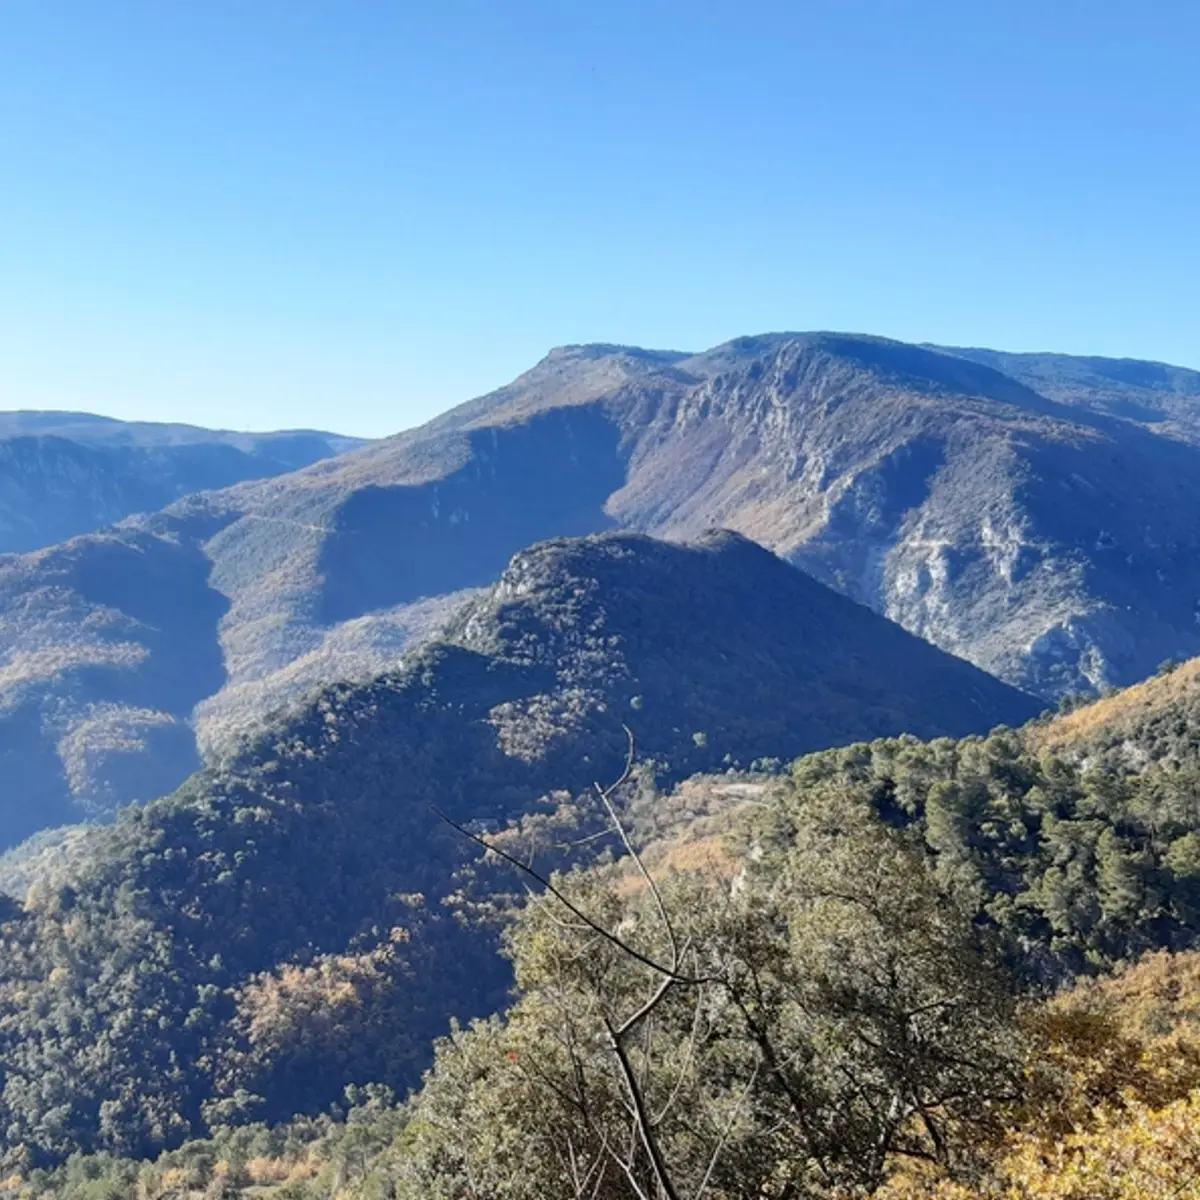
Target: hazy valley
column 64, row 474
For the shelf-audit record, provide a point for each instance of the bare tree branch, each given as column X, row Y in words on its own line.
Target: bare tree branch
column 567, row 903
column 606, row 795
column 670, row 972
column 641, row 1116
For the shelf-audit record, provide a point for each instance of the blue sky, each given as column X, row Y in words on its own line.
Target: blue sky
column 259, row 213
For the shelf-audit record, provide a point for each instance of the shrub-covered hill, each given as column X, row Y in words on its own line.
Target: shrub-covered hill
column 290, row 923
column 840, row 1023
column 855, row 927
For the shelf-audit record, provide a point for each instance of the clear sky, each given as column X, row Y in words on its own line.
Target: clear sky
column 352, row 214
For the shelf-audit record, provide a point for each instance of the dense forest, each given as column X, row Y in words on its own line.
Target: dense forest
column 904, row 969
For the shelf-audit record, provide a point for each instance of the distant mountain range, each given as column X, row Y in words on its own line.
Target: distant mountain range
column 1037, row 515
column 63, row 474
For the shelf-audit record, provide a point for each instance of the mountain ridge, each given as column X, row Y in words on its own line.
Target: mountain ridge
column 63, row 474
column 1047, row 540
column 80, row 426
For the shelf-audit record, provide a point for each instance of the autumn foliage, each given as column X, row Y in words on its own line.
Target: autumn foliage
column 1112, row 1110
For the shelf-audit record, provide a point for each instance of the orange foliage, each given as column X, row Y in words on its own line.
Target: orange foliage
column 708, row 854
column 1139, row 1153
column 1112, row 1111
column 1129, row 706
column 300, row 1004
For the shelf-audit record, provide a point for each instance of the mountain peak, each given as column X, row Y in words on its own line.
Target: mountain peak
column 696, row 623
column 579, row 351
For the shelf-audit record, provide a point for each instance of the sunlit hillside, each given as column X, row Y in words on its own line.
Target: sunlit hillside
column 1153, row 721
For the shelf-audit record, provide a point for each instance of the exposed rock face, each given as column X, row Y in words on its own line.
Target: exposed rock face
column 1050, row 544
column 1038, row 516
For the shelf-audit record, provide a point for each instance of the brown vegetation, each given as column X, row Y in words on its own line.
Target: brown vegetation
column 1122, row 712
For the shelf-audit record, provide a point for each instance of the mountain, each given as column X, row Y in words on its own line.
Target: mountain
column 63, row 474
column 1049, row 537
column 203, row 927
column 1158, row 396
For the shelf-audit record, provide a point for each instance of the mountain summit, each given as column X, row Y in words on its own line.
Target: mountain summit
column 717, row 641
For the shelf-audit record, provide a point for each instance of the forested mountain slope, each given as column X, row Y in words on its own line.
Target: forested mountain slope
column 192, row 962
column 859, row 1002
column 1048, row 537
